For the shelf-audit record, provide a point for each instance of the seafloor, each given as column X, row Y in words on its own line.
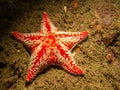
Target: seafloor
column 98, row 55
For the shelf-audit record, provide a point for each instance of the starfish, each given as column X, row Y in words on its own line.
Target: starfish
column 49, row 46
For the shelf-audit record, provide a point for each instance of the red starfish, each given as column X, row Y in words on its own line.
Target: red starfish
column 50, row 46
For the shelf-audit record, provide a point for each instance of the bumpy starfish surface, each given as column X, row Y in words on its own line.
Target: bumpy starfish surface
column 49, row 46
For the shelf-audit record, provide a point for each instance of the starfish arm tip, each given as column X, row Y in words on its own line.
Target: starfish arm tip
column 15, row 34
column 44, row 12
column 86, row 33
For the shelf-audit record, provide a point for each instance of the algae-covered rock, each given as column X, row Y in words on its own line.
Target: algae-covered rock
column 99, row 17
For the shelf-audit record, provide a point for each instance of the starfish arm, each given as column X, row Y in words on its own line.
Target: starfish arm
column 38, row 62
column 66, row 60
column 47, row 26
column 70, row 39
column 30, row 40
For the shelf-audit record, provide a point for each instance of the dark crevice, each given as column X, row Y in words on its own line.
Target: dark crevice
column 13, row 9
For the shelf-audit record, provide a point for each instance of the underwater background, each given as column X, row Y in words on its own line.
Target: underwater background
column 98, row 56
